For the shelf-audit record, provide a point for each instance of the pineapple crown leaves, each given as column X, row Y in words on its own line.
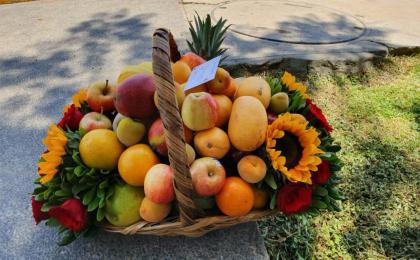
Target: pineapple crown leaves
column 207, row 38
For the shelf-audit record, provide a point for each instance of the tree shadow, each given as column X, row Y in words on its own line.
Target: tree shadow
column 385, row 171
column 39, row 84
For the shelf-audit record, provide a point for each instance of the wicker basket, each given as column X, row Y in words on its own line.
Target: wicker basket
column 192, row 221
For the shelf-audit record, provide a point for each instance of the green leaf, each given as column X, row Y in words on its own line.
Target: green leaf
column 46, row 207
column 88, row 197
column 40, row 196
column 273, row 200
column 93, row 204
column 52, row 222
column 104, row 184
column 78, row 171
column 62, row 193
column 335, row 194
column 68, row 237
column 319, row 204
column 100, row 214
column 269, row 179
column 320, row 191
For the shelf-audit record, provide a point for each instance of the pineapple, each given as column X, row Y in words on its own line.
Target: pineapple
column 207, row 38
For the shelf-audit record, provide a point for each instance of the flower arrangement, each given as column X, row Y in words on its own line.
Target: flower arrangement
column 253, row 146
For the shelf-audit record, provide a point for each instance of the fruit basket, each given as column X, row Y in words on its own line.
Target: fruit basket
column 260, row 147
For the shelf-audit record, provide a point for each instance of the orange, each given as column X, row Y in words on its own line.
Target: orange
column 236, row 197
column 224, row 107
column 181, row 71
column 261, row 198
column 135, row 162
column 100, row 149
column 213, row 142
column 252, row 168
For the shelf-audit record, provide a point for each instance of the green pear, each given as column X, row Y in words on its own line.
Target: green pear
column 130, row 132
column 122, row 208
column 279, row 102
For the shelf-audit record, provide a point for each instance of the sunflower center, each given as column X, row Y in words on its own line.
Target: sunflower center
column 290, row 148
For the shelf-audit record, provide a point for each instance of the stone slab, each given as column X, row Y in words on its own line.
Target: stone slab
column 48, row 50
column 269, row 31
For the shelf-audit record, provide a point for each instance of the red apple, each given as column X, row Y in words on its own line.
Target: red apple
column 158, row 184
column 134, row 97
column 208, row 176
column 199, row 111
column 157, row 140
column 100, row 96
column 94, row 120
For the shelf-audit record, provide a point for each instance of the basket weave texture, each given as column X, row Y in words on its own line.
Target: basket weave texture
column 192, row 221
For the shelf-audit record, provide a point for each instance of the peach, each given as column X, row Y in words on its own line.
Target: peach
column 252, row 169
column 220, row 83
column 190, row 154
column 192, row 59
column 133, row 91
column 158, row 184
column 199, row 111
column 231, row 90
column 199, row 88
column 224, row 107
column 100, row 96
column 154, row 212
column 255, row 87
column 208, row 176
column 260, row 198
column 180, row 95
column 181, row 71
column 213, row 142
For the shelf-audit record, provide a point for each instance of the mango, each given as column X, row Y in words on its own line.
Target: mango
column 247, row 124
column 132, row 70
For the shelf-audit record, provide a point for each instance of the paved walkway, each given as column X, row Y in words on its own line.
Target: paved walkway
column 49, row 48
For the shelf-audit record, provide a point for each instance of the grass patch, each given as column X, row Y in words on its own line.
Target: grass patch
column 376, row 121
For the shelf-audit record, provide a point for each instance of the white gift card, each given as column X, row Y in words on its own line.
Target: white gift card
column 203, row 73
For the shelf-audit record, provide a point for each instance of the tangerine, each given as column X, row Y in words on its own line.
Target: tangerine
column 236, row 197
column 135, row 162
column 181, row 71
column 261, row 198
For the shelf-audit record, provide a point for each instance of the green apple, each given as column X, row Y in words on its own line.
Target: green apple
column 279, row 102
column 130, row 132
column 122, row 208
column 116, row 121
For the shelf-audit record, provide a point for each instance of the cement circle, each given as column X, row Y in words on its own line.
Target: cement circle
column 290, row 21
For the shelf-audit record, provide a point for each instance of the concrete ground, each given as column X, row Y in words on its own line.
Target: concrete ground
column 50, row 48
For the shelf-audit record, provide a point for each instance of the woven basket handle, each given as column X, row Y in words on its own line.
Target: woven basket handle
column 172, row 122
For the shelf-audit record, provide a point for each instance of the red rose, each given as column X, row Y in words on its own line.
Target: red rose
column 315, row 112
column 36, row 211
column 293, row 198
column 71, row 214
column 71, row 119
column 322, row 175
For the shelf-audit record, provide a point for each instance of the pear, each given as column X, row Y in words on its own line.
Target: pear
column 279, row 102
column 122, row 208
column 130, row 132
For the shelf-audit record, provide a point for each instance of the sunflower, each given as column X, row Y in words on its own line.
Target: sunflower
column 77, row 99
column 55, row 141
column 289, row 80
column 293, row 148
